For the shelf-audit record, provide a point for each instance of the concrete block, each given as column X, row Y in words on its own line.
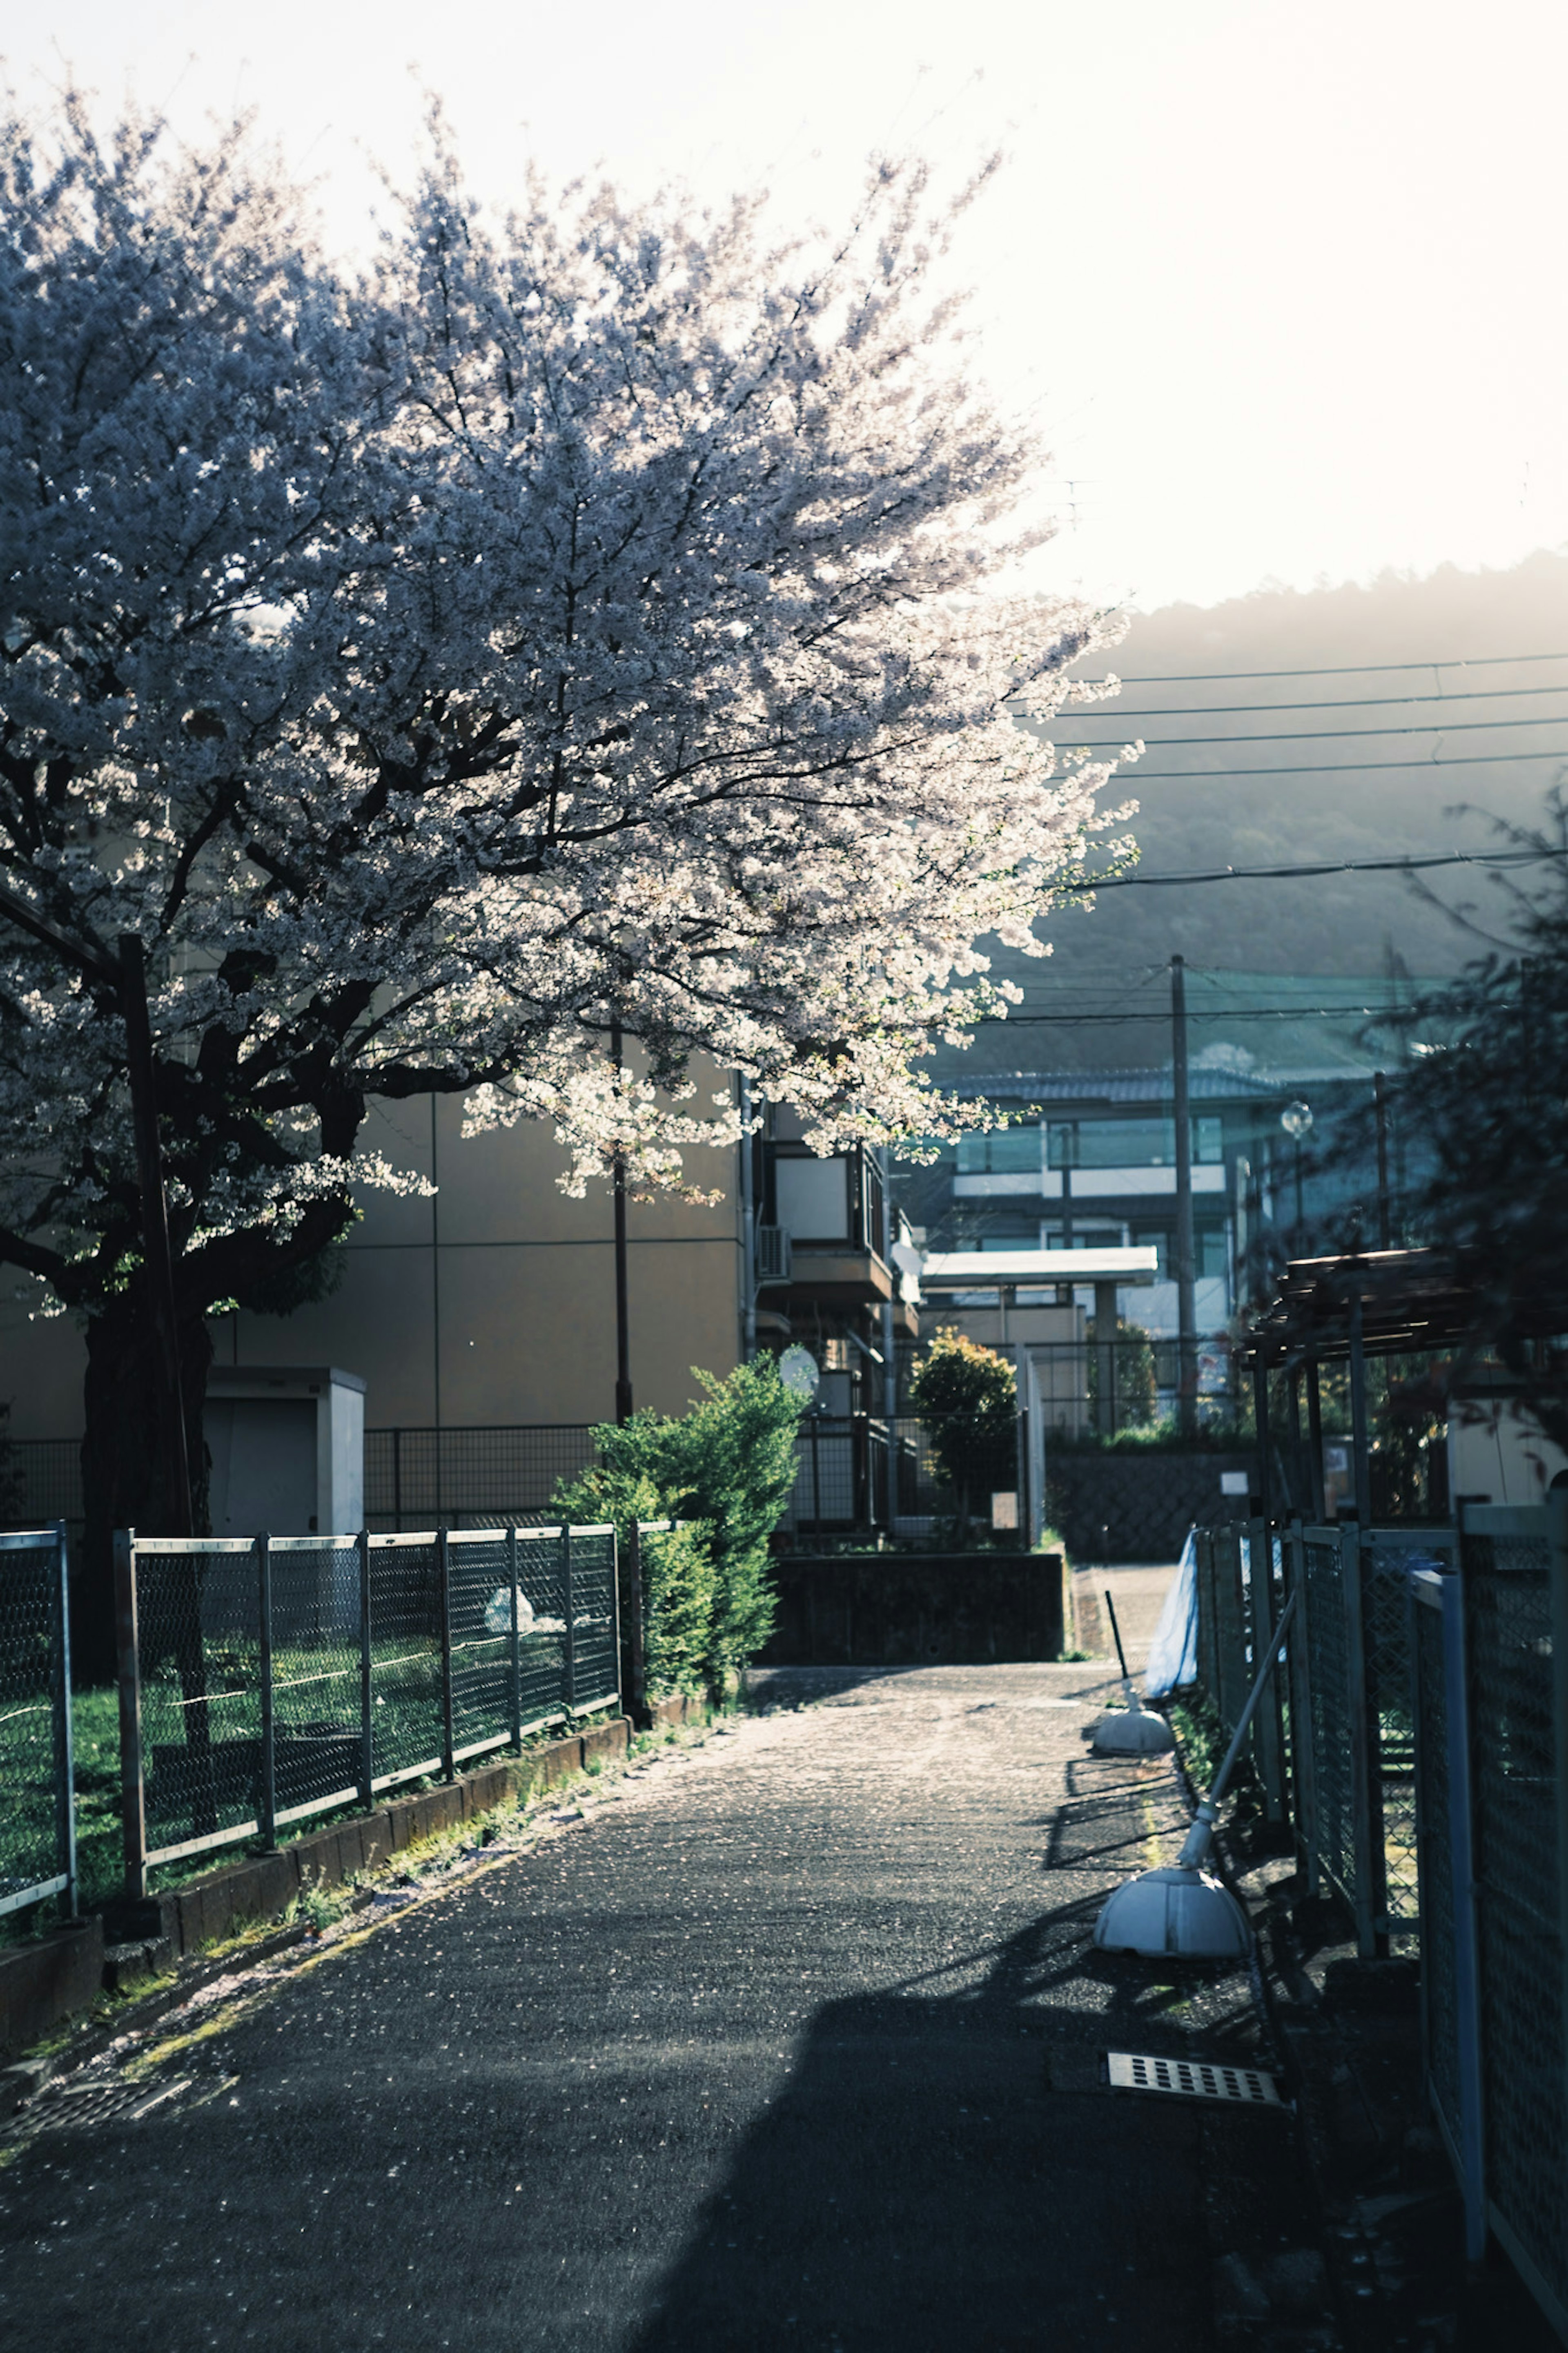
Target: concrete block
column 53, row 1979
column 22, row 2083
column 125, row 1965
column 269, row 1885
column 400, row 1823
column 486, row 1789
column 606, row 1740
column 330, row 1857
column 376, row 1839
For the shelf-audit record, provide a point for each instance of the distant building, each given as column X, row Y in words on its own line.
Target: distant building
column 1087, row 1162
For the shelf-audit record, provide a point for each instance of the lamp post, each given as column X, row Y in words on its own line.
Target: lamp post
column 1296, row 1119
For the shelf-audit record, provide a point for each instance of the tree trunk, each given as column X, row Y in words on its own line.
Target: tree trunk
column 121, row 1478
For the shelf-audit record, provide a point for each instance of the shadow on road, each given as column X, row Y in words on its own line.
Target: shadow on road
column 943, row 2169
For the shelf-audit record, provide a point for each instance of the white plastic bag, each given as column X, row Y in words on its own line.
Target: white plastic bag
column 1173, row 1651
column 498, row 1612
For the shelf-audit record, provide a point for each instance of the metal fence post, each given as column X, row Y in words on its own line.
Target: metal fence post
column 1268, row 1728
column 516, row 1693
column 1467, row 1945
column 66, row 1781
column 1302, row 1766
column 132, row 1786
column 815, row 1474
column 366, row 1662
column 634, row 1699
column 267, row 1807
column 444, row 1578
column 570, row 1615
column 1557, row 1506
column 1372, row 1934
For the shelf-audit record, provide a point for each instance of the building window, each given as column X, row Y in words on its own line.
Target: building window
column 1006, row 1152
column 1085, row 1236
column 1130, row 1142
column 1210, row 1254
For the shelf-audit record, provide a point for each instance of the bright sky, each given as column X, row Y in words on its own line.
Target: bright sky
column 1284, row 283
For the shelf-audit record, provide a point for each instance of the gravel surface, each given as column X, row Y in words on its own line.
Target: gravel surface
column 789, row 2039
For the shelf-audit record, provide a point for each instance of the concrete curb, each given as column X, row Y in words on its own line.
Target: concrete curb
column 44, row 1984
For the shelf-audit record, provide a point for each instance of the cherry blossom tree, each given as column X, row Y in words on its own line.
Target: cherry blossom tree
column 591, row 618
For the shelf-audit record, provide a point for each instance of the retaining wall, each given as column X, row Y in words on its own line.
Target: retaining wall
column 863, row 1610
column 1144, row 1502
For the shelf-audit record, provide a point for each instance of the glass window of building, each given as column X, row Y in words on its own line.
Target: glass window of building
column 1006, row 1152
column 1130, row 1142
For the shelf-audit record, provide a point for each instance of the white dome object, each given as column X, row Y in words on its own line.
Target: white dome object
column 1133, row 1731
column 1178, row 1913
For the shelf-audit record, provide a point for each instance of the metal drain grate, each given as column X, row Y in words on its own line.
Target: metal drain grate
column 1192, row 2079
column 104, row 2102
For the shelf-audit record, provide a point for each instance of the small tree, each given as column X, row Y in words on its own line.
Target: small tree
column 967, row 1400
column 1134, row 1392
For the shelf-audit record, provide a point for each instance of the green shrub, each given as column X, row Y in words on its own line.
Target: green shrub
column 679, row 1588
column 728, row 1469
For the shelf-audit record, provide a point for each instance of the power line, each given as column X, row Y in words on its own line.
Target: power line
column 1325, row 767
column 1334, row 702
column 1333, row 735
column 1340, row 866
column 1339, row 669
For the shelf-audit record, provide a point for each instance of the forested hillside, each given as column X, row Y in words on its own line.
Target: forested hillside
column 1283, row 728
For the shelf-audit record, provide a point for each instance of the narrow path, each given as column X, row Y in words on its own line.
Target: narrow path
column 793, row 2042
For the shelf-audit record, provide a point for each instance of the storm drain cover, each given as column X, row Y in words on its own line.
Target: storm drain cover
column 1192, row 2079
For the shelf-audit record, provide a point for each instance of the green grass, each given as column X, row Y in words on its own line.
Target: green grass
column 313, row 1684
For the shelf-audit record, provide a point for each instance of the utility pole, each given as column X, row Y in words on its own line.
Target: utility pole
column 1186, row 1310
column 126, row 975
column 623, row 1312
column 748, row 1194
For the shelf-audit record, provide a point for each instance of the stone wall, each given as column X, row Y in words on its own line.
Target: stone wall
column 863, row 1610
column 1144, row 1503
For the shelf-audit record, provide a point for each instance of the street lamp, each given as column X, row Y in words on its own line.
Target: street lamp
column 1296, row 1119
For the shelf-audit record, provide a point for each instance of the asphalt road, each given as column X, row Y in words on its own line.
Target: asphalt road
column 792, row 2040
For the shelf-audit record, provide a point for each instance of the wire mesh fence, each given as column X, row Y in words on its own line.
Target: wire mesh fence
column 1440, row 1896
column 40, row 1483
column 38, row 1819
column 1516, row 1704
column 264, row 1681
column 470, row 1478
column 1427, row 1752
column 858, row 1472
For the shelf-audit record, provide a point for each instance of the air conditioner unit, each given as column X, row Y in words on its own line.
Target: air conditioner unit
column 773, row 1254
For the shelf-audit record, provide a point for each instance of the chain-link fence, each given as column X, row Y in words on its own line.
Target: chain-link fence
column 1427, row 1724
column 42, row 1481
column 1448, row 2021
column 265, row 1681
column 858, row 1473
column 1514, row 1633
column 1238, row 1581
column 1350, row 1719
column 470, row 1478
column 38, row 1819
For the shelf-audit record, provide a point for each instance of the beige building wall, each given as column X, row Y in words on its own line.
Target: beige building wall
column 492, row 1301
